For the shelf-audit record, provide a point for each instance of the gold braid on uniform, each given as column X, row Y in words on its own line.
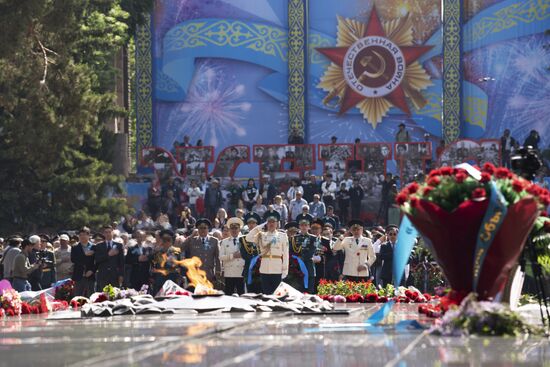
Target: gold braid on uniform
column 249, row 249
column 296, row 250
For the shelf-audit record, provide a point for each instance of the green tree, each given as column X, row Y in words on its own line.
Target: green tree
column 56, row 83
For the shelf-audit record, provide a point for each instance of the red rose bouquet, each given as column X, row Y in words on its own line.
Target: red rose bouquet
column 454, row 210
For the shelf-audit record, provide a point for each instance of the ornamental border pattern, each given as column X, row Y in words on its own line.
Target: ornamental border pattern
column 452, row 70
column 297, row 68
column 144, row 88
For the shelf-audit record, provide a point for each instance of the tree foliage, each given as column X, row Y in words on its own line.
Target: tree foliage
column 56, row 83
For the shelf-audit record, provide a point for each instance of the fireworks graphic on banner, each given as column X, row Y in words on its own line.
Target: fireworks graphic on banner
column 212, row 110
column 514, row 76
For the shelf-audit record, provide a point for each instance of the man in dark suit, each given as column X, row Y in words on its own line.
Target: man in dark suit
column 82, row 256
column 507, row 146
column 386, row 255
column 109, row 259
column 139, row 259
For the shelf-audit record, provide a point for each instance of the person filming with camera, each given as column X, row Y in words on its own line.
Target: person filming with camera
column 22, row 267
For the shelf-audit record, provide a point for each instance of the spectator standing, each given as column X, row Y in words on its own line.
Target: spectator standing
column 267, row 190
column 259, row 208
column 356, row 195
column 213, row 199
column 250, row 194
column 9, row 256
column 295, row 206
column 311, row 188
column 22, row 267
column 83, row 259
column 64, row 266
column 317, row 208
column 402, row 135
column 507, row 145
column 194, row 192
column 328, row 190
column 294, row 189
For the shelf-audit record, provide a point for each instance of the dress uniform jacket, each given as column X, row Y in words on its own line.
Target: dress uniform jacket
column 303, row 246
column 273, row 250
column 207, row 249
column 232, row 268
column 358, row 251
column 248, row 251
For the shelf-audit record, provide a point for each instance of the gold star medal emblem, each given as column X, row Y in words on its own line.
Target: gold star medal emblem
column 374, row 67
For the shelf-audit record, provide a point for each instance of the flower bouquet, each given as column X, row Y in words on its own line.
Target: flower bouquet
column 457, row 210
column 366, row 292
column 65, row 292
column 295, row 277
column 10, row 303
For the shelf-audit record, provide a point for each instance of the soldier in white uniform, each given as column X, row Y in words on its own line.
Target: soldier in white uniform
column 231, row 259
column 358, row 251
column 273, row 245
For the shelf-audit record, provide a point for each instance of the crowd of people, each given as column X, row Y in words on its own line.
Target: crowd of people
column 250, row 254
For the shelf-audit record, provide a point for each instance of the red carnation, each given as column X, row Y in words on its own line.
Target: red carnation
column 427, row 296
column 545, row 199
column 460, row 177
column 382, row 299
column 10, row 312
column 415, row 201
column 479, row 193
column 371, row 298
column 518, row 185
column 423, row 309
column 427, row 190
column 502, row 172
column 534, row 190
column 2, row 314
column 25, row 308
column 433, row 181
column 434, row 173
column 412, row 188
column 547, row 226
column 544, row 213
column 401, row 199
column 446, row 171
column 485, row 177
column 489, row 168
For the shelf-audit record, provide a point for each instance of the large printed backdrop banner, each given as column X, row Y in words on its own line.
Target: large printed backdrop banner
column 219, row 72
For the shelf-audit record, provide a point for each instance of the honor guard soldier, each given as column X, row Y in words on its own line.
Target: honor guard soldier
column 323, row 251
column 249, row 250
column 273, row 246
column 302, row 248
column 163, row 264
column 231, row 259
column 358, row 251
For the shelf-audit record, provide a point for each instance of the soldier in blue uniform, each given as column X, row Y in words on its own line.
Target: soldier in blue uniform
column 249, row 250
column 323, row 251
column 302, row 249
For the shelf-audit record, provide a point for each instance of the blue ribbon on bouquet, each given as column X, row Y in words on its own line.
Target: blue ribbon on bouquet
column 403, row 248
column 494, row 216
column 251, row 268
column 303, row 269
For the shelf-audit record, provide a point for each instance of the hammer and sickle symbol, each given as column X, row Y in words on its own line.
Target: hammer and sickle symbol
column 366, row 60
